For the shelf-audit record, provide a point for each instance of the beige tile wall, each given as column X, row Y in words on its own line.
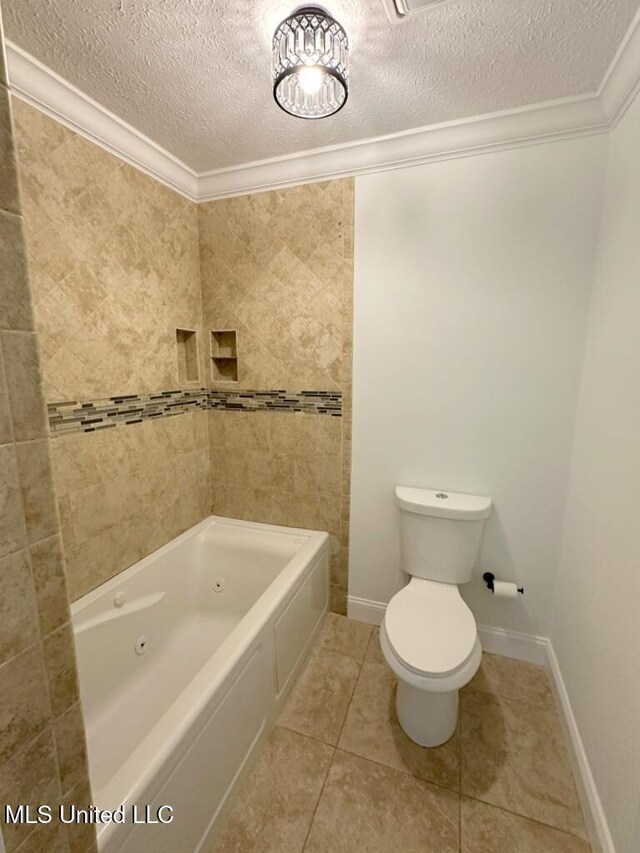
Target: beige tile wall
column 114, row 264
column 126, row 491
column 114, row 261
column 118, row 262
column 278, row 268
column 42, row 742
column 281, row 468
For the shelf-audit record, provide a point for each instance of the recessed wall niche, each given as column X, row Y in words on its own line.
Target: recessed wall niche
column 224, row 355
column 187, row 351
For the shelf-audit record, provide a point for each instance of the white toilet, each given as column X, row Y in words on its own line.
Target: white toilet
column 428, row 634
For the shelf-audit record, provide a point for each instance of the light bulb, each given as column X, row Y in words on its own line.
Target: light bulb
column 310, row 64
column 310, row 79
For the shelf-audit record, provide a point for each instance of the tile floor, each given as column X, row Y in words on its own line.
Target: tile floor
column 338, row 775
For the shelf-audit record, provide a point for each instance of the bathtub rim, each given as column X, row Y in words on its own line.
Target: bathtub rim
column 126, row 574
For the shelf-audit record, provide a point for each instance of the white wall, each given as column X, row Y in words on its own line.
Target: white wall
column 596, row 625
column 472, row 282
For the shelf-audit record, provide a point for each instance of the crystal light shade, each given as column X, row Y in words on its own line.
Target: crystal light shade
column 310, row 64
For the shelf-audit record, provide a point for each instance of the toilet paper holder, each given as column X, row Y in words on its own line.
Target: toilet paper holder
column 489, row 579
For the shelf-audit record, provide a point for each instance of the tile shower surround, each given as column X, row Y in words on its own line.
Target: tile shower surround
column 118, row 262
column 113, row 259
column 42, row 742
column 125, row 409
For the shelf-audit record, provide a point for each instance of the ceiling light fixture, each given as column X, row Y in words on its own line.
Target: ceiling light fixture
column 310, row 64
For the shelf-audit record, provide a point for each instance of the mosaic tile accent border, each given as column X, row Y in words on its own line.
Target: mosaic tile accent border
column 125, row 409
column 312, row 402
column 93, row 415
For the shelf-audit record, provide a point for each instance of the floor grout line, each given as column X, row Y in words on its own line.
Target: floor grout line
column 324, row 784
column 350, row 702
column 333, row 755
column 317, row 646
column 335, row 748
column 397, row 770
column 373, row 760
column 305, row 735
column 525, row 817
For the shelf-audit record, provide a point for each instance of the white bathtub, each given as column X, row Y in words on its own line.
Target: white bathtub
column 223, row 616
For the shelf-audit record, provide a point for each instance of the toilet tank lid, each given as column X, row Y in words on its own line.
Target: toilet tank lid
column 442, row 504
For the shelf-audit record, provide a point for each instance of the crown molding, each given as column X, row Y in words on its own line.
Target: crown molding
column 38, row 85
column 511, row 128
column 566, row 118
column 621, row 82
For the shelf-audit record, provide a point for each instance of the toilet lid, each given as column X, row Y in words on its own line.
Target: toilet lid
column 430, row 628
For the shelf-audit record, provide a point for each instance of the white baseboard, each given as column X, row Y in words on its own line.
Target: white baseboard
column 513, row 644
column 365, row 610
column 533, row 649
column 497, row 641
column 595, row 818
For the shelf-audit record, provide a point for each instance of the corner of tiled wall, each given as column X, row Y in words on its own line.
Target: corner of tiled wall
column 278, row 267
column 340, row 590
column 114, row 268
column 42, row 742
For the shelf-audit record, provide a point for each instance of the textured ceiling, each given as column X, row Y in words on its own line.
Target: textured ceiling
column 195, row 75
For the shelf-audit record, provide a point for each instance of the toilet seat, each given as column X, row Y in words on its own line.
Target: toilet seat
column 430, row 629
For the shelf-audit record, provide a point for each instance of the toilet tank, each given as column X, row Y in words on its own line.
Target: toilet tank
column 440, row 533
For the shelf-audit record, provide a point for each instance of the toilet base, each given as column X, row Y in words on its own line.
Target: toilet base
column 429, row 719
